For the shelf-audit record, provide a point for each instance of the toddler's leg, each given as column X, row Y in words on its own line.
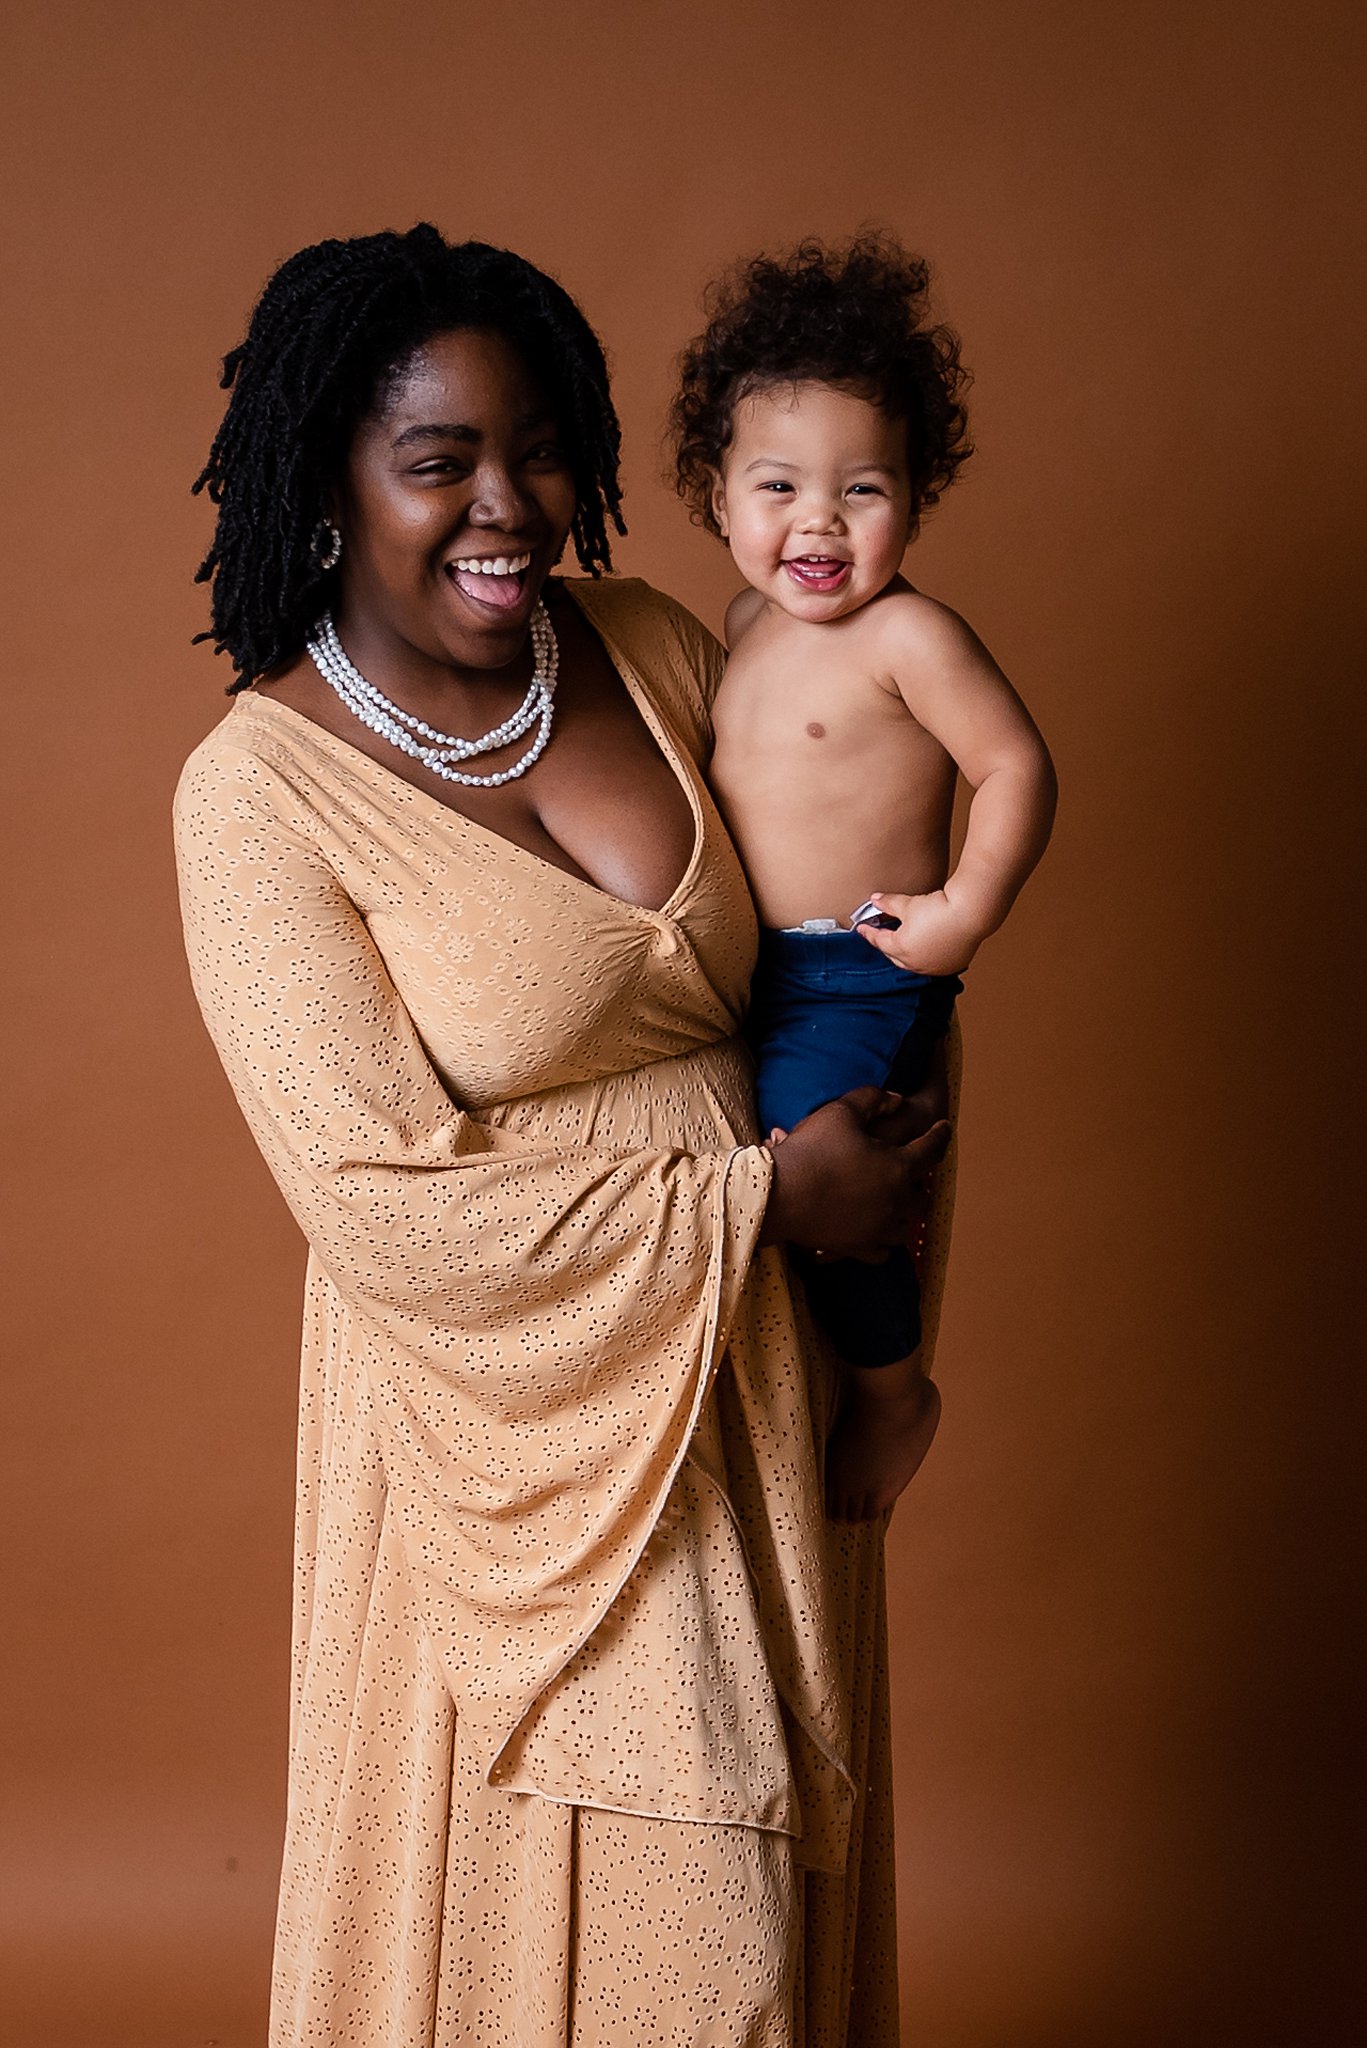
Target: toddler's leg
column 888, row 1414
column 887, row 1419
column 827, row 1018
column 888, row 1409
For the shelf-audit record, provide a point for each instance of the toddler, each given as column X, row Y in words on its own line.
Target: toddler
column 818, row 416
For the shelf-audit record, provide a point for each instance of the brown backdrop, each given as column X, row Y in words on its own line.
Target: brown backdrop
column 1124, row 1589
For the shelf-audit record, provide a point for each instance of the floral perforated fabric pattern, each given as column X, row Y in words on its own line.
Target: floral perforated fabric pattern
column 565, row 1599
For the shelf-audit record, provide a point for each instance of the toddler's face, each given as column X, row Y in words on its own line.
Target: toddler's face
column 814, row 498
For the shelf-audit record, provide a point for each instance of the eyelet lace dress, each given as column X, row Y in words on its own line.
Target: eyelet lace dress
column 589, row 1732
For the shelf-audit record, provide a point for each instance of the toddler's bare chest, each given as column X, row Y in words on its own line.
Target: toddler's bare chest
column 801, row 715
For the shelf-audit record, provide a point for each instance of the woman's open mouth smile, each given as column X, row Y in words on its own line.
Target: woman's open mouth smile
column 821, row 573
column 493, row 582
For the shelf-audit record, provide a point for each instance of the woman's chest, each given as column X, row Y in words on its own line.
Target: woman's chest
column 596, row 792
column 520, row 977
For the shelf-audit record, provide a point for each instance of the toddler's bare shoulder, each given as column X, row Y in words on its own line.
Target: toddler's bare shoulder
column 741, row 614
column 918, row 631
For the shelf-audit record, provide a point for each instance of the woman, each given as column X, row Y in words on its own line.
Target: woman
column 583, row 1685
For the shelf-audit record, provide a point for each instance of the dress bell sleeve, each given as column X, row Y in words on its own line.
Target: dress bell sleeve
column 539, row 1326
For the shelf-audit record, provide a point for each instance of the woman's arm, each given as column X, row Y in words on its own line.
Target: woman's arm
column 389, row 1178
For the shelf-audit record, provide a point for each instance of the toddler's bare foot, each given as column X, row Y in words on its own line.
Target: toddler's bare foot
column 887, row 1419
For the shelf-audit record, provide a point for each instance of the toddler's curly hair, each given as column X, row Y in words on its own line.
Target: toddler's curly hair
column 856, row 315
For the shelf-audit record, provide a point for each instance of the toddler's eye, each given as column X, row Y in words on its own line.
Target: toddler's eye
column 776, row 484
column 869, row 490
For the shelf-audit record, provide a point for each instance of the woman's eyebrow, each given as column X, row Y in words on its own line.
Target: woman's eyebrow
column 449, row 430
column 434, row 431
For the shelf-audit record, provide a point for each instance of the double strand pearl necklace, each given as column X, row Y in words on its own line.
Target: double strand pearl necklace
column 437, row 750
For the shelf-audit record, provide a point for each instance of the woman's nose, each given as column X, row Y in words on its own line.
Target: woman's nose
column 497, row 499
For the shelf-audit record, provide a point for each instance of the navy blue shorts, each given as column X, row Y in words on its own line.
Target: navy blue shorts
column 828, row 1013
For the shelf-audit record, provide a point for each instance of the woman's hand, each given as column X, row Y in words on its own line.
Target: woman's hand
column 849, row 1179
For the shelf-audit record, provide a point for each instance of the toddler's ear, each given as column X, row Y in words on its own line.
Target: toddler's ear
column 719, row 502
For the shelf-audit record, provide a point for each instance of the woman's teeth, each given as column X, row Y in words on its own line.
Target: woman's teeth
column 495, row 565
column 491, row 580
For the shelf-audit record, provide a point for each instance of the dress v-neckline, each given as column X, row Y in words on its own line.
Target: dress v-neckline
column 683, row 768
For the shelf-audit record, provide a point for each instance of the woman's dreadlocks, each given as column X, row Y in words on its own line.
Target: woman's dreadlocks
column 334, row 324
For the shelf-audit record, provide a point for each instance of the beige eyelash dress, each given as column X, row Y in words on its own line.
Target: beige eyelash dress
column 588, row 1730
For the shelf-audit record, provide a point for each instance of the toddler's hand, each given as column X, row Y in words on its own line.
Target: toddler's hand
column 931, row 938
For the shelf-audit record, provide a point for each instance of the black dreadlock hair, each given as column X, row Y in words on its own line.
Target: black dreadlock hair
column 333, row 326
column 854, row 315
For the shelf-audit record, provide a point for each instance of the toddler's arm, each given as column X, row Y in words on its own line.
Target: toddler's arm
column 953, row 687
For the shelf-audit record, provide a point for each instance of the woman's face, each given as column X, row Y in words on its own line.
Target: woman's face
column 454, row 506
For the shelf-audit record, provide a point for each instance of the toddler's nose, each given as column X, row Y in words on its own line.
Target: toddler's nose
column 822, row 518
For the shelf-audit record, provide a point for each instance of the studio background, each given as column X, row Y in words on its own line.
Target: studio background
column 1126, row 1589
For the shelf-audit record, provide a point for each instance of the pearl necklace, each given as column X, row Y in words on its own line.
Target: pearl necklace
column 437, row 750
